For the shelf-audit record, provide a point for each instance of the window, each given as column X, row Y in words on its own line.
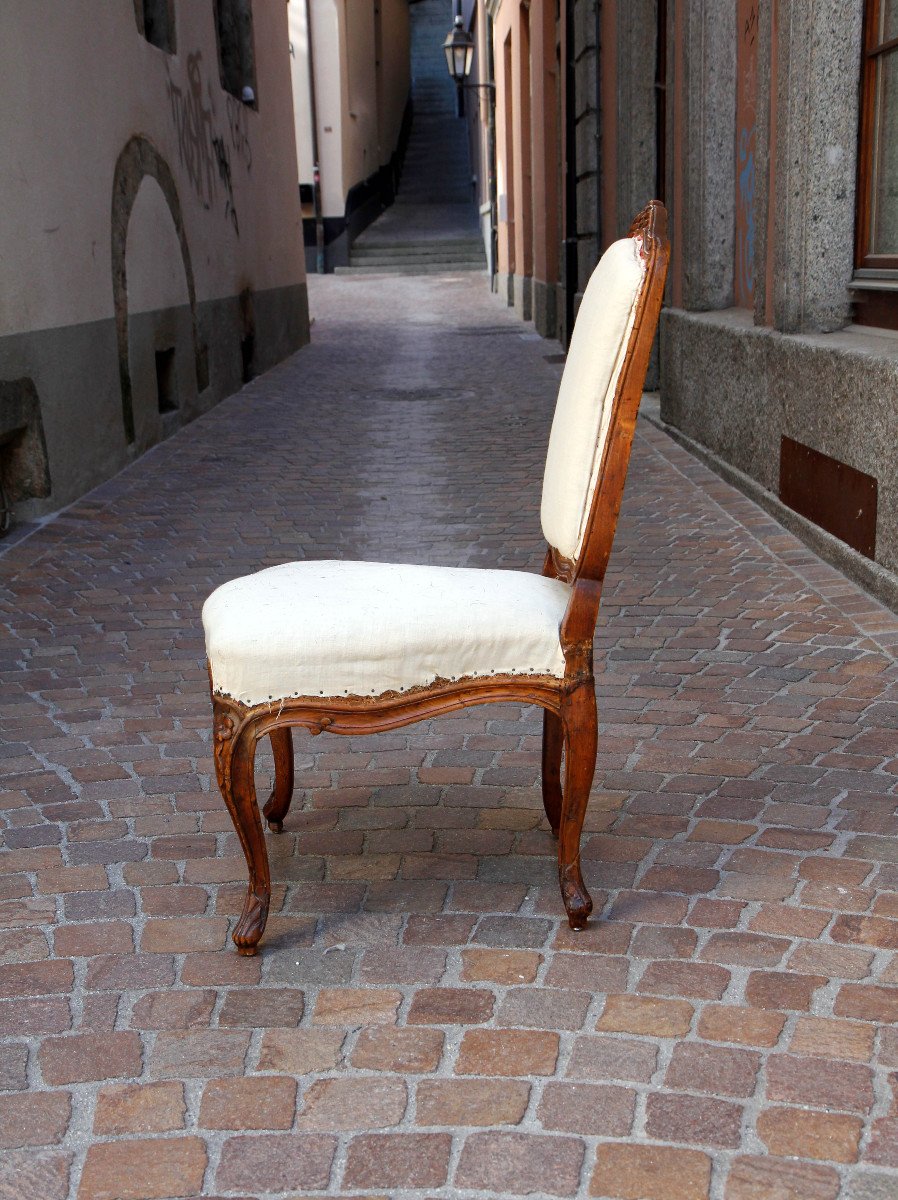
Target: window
column 166, row 380
column 156, row 21
column 236, row 60
column 876, row 280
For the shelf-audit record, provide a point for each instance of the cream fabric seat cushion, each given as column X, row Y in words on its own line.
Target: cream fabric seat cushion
column 583, row 410
column 341, row 629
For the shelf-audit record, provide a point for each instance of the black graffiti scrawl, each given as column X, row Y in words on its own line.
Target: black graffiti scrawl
column 205, row 151
column 223, row 162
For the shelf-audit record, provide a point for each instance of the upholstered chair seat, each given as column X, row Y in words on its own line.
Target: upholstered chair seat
column 363, row 647
column 338, row 629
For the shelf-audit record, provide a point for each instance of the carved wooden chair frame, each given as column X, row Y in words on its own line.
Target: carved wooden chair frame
column 569, row 703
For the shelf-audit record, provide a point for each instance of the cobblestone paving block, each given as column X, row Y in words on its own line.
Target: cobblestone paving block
column 40, row 1119
column 410, row 1051
column 520, row 1164
column 278, row 1163
column 143, row 1169
column 139, row 1108
column 361, row 1102
column 421, row 1021
column 458, row 1102
column 44, row 1173
column 649, row 1171
column 400, row 1160
column 267, row 1102
column 751, row 1177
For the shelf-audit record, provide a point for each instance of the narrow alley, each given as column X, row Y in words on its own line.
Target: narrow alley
column 421, row 1021
column 432, row 226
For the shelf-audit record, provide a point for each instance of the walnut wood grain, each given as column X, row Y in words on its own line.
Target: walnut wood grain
column 553, row 741
column 234, row 743
column 279, row 801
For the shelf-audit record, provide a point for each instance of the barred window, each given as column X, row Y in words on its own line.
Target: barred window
column 876, row 259
column 236, row 58
column 156, row 21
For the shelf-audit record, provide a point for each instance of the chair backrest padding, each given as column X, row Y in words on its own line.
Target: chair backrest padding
column 585, row 398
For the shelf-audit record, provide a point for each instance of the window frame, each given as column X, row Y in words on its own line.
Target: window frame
column 875, row 282
column 249, row 78
column 872, row 51
column 170, row 45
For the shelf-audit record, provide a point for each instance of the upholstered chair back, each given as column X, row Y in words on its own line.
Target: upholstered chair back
column 585, row 402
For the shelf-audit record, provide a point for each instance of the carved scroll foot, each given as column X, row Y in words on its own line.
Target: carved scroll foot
column 577, row 900
column 234, row 744
column 278, row 803
column 252, row 921
column 581, row 736
column 553, row 740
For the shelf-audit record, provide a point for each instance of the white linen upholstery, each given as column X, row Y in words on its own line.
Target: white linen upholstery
column 341, row 629
column 583, row 410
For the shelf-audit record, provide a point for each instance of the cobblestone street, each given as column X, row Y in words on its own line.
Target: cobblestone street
column 421, row 1022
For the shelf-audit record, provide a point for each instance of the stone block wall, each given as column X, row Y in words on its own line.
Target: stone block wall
column 736, row 381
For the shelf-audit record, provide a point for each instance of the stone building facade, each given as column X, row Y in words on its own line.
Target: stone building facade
column 779, row 350
column 151, row 239
column 769, row 129
column 569, row 172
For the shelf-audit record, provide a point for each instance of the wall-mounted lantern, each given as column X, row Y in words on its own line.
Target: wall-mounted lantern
column 459, row 50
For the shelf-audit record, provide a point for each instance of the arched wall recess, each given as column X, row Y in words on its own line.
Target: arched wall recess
column 138, row 159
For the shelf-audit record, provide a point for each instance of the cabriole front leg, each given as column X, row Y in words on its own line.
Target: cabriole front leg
column 581, row 736
column 235, row 752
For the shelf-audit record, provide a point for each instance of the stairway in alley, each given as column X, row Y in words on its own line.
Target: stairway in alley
column 432, row 226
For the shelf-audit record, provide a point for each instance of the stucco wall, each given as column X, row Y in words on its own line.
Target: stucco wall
column 323, row 42
column 514, row 167
column 140, row 201
column 394, row 77
column 154, row 268
column 359, row 106
column 79, row 81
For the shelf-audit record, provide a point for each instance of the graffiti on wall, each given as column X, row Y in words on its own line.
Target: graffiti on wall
column 235, row 110
column 746, row 128
column 204, row 149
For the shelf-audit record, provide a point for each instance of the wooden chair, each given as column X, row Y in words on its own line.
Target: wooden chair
column 363, row 647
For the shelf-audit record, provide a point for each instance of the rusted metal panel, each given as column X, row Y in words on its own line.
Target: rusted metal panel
column 838, row 498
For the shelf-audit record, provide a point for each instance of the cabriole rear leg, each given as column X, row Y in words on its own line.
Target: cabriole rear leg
column 278, row 803
column 553, row 741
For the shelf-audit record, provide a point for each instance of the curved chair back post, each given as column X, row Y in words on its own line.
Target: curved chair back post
column 587, row 572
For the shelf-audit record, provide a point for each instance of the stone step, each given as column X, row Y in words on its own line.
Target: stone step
column 439, row 138
column 443, row 196
column 427, row 156
column 412, row 260
column 450, row 163
column 453, row 156
column 436, row 179
column 426, row 199
column 412, row 269
column 420, row 249
column 431, row 149
column 447, row 166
